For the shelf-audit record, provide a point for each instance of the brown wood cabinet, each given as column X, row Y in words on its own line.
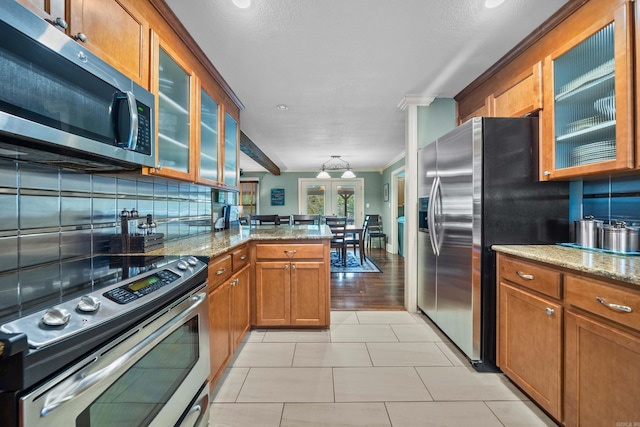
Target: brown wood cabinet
column 571, row 341
column 520, row 96
column 602, row 380
column 112, row 29
column 587, row 123
column 292, row 285
column 602, row 345
column 229, row 316
column 530, row 332
column 51, row 10
column 115, row 31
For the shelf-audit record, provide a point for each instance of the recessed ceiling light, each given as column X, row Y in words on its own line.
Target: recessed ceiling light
column 493, row 3
column 281, row 107
column 242, row 4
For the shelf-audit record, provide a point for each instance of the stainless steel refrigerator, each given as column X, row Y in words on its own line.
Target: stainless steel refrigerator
column 477, row 187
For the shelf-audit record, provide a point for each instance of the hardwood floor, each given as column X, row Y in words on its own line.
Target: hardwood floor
column 371, row 291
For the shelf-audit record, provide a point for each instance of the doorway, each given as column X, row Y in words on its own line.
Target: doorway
column 332, row 197
column 397, row 199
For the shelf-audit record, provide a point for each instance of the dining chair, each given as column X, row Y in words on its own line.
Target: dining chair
column 351, row 240
column 263, row 219
column 374, row 231
column 338, row 226
column 284, row 219
column 305, row 219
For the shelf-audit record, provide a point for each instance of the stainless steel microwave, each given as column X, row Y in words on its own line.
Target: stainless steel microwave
column 62, row 105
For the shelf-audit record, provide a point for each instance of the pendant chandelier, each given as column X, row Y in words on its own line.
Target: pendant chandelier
column 335, row 164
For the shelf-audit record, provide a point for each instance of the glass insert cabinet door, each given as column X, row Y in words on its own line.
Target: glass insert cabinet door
column 174, row 101
column 589, row 98
column 230, row 150
column 208, row 137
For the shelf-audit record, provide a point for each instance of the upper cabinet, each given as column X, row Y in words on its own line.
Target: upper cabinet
column 520, row 96
column 174, row 85
column 209, row 138
column 588, row 121
column 231, row 147
column 112, row 29
column 54, row 11
column 115, row 31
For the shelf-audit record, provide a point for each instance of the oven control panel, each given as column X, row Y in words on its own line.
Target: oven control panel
column 67, row 318
column 134, row 290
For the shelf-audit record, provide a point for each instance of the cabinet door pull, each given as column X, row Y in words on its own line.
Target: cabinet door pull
column 549, row 311
column 221, row 271
column 525, row 276
column 618, row 307
column 243, row 257
column 293, row 267
column 286, row 266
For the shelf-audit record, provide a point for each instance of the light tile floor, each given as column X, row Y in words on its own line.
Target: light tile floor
column 372, row 368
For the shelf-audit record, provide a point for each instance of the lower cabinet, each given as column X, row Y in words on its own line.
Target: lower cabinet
column 219, row 328
column 291, row 293
column 602, row 373
column 571, row 341
column 530, row 351
column 229, row 319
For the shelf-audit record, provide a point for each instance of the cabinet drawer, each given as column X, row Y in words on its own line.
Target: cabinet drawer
column 219, row 270
column 536, row 277
column 609, row 301
column 240, row 258
column 289, row 251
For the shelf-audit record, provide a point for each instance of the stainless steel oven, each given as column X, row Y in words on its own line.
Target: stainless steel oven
column 61, row 104
column 132, row 350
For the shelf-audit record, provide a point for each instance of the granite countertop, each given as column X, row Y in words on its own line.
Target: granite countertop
column 217, row 243
column 625, row 268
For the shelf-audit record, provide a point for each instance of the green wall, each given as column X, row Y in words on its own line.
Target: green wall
column 433, row 121
column 289, row 182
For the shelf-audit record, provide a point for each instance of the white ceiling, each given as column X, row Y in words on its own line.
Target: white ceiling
column 343, row 66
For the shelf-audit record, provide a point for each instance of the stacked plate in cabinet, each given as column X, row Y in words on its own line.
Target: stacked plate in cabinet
column 594, row 152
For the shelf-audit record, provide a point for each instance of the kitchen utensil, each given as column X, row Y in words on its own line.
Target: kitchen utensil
column 633, row 238
column 587, row 231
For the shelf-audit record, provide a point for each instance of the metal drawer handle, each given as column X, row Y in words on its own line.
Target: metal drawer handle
column 291, row 252
column 549, row 311
column 623, row 308
column 525, row 276
column 221, row 271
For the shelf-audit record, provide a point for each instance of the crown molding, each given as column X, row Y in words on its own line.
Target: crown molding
column 421, row 100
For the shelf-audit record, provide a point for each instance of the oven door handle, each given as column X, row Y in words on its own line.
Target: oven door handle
column 85, row 379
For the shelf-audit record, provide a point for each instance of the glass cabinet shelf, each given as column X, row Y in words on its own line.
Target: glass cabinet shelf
column 208, row 137
column 174, row 115
column 585, row 102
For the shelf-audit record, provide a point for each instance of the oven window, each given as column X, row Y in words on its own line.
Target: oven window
column 138, row 395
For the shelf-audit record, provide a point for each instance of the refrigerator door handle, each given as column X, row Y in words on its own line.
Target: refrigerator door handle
column 433, row 237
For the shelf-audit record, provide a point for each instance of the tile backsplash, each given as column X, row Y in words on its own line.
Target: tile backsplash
column 609, row 199
column 48, row 214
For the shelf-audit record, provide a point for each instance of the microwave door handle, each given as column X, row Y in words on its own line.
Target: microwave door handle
column 132, row 108
column 84, row 380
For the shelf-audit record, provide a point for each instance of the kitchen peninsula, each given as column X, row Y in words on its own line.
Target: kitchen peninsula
column 580, row 311
column 266, row 276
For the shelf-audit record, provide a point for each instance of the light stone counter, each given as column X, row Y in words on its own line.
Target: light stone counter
column 214, row 244
column 618, row 267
